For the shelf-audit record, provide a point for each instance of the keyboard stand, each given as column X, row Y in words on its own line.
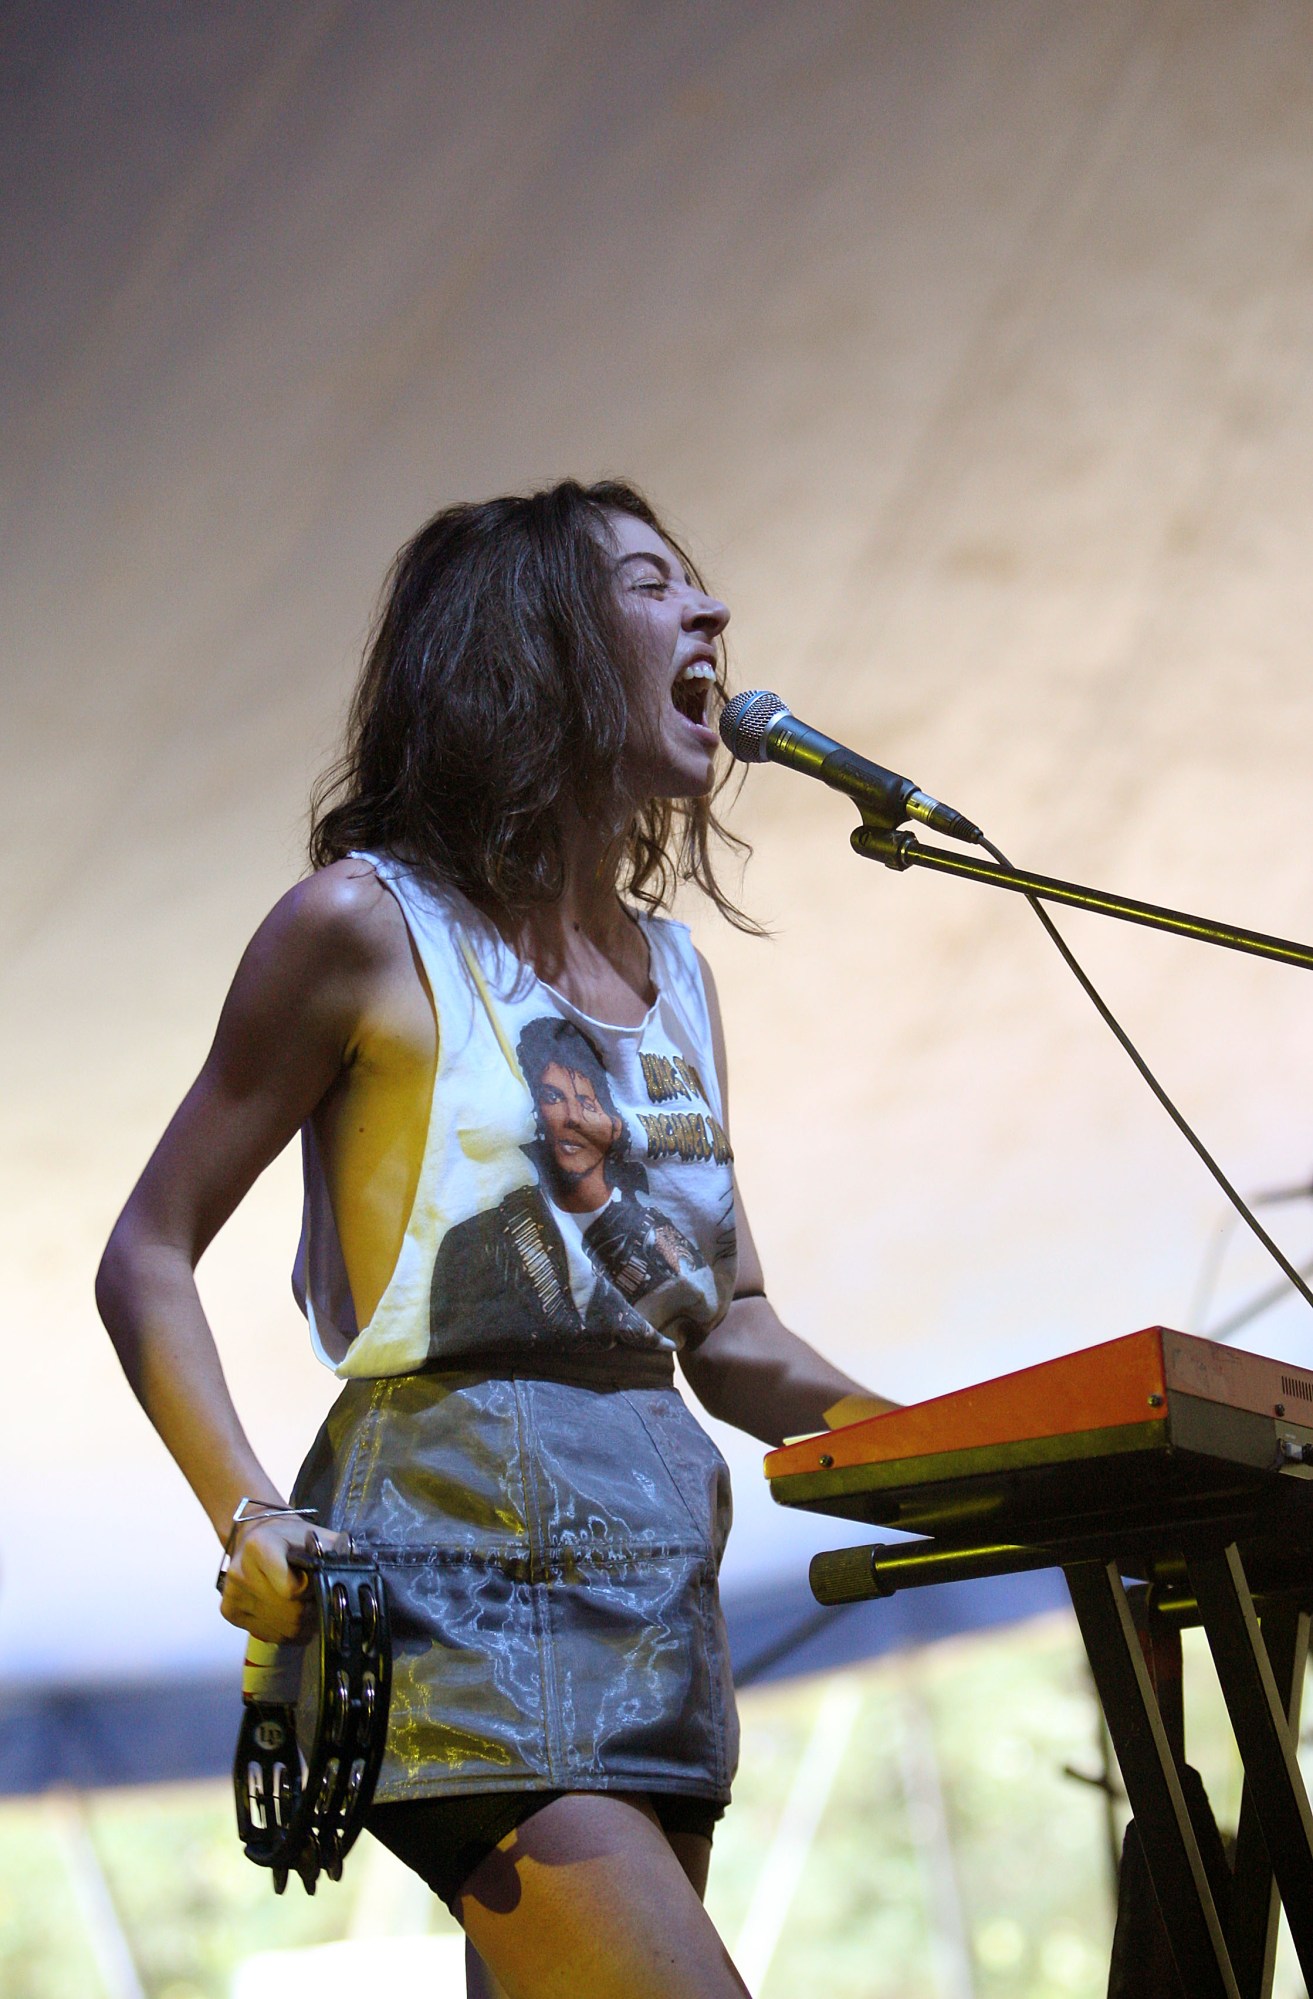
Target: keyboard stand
column 1132, row 1640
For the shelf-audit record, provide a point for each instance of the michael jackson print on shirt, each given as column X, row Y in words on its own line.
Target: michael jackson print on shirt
column 509, row 1270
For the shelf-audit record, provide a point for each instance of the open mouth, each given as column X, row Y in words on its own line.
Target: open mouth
column 692, row 690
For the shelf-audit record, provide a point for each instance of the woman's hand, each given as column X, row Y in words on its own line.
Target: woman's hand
column 264, row 1591
column 856, row 1409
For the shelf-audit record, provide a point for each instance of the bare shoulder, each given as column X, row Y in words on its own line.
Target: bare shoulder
column 340, row 916
column 320, row 959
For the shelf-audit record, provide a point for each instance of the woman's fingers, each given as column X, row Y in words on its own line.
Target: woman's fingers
column 266, row 1589
column 280, row 1621
column 322, row 1538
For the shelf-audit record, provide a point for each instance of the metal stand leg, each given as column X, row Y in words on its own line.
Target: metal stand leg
column 1160, row 1642
column 1142, row 1966
column 1267, row 1749
column 1252, row 1932
column 1152, row 1784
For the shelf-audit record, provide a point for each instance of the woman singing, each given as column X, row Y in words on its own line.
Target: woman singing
column 508, row 1075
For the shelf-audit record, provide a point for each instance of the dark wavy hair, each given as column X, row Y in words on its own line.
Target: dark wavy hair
column 547, row 1039
column 496, row 688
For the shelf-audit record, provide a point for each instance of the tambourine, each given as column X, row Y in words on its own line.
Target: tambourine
column 307, row 1821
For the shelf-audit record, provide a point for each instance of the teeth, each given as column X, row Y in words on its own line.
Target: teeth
column 697, row 669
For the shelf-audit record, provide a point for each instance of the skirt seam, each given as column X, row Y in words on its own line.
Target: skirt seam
column 531, row 1515
column 714, row 1665
column 543, row 1565
column 355, row 1481
column 704, row 1544
column 689, row 1787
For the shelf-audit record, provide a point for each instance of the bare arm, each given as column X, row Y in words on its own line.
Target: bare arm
column 751, row 1370
column 287, row 1030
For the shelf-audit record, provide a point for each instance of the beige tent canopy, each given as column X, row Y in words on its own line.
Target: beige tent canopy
column 970, row 342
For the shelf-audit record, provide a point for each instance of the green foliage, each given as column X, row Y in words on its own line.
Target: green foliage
column 993, row 1720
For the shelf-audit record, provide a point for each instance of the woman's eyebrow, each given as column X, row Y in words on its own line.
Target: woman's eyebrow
column 660, row 562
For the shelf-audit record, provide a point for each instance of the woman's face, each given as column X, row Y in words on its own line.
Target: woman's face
column 671, row 749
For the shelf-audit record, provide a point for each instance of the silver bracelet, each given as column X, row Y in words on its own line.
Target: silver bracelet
column 242, row 1518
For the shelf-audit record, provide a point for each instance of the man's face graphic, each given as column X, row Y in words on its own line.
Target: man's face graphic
column 579, row 1131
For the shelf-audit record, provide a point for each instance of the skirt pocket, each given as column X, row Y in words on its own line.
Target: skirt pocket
column 640, row 1695
column 467, row 1673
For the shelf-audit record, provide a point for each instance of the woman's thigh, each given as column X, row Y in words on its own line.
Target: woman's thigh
column 589, row 1896
column 693, row 1853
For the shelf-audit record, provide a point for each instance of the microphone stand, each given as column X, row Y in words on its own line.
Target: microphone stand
column 877, row 840
column 903, row 850
column 1112, row 1640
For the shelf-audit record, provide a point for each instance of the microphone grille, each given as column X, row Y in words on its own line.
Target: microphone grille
column 745, row 720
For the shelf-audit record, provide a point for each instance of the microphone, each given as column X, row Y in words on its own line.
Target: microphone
column 757, row 727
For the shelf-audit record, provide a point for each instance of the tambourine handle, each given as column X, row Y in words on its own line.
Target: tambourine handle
column 272, row 1672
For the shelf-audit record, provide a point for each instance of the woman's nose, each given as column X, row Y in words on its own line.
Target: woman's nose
column 708, row 615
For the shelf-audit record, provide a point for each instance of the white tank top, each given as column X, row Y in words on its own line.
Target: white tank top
column 576, row 1192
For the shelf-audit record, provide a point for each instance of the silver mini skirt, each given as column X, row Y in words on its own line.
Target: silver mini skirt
column 550, row 1540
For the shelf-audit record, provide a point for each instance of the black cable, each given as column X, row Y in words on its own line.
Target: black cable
column 1105, row 1014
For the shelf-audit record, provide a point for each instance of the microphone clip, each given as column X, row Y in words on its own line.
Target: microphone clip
column 876, row 840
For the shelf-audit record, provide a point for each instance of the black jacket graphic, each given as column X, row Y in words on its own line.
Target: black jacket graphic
column 503, row 1273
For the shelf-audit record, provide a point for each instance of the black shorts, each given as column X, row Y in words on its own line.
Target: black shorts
column 444, row 1839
